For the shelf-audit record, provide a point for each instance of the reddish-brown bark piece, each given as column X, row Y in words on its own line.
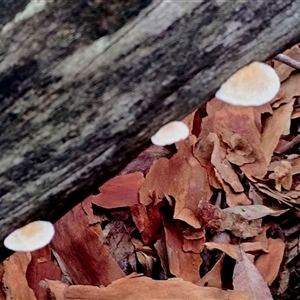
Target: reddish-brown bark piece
column 41, row 267
column 275, row 126
column 193, row 240
column 132, row 288
column 236, row 127
column 148, row 221
column 182, row 264
column 87, row 260
column 203, row 149
column 232, row 198
column 143, row 162
column 182, row 177
column 2, row 295
column 120, row 191
column 87, row 207
column 259, row 111
column 223, row 166
column 94, row 94
column 288, row 90
column 14, row 282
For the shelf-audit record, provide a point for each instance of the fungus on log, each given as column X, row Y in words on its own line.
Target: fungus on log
column 84, row 84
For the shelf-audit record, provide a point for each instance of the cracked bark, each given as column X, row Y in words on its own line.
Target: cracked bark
column 84, row 84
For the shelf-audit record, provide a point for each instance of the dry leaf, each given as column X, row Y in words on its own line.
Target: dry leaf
column 14, row 281
column 283, row 280
column 218, row 220
column 147, row 262
column 275, row 126
column 276, row 195
column 232, row 198
column 213, row 277
column 282, row 175
column 203, row 148
column 295, row 165
column 268, row 264
column 202, row 151
column 289, row 89
column 241, row 227
column 295, row 114
column 136, row 288
column 222, row 165
column 233, row 250
column 259, row 111
column 236, row 127
column 247, row 278
column 145, row 159
column 252, row 212
column 254, row 195
column 181, row 177
column 120, row 191
column 161, row 249
column 262, row 237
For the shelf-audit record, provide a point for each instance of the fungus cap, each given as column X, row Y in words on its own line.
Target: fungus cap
column 252, row 85
column 170, row 133
column 30, row 237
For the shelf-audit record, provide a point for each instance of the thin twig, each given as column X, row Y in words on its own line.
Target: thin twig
column 288, row 61
column 290, row 145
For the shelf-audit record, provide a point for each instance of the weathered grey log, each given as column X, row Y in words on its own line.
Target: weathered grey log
column 84, row 84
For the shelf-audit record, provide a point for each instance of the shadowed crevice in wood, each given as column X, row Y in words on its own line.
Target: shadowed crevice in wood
column 9, row 8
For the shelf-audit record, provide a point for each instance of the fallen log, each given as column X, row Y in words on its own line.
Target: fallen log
column 84, row 84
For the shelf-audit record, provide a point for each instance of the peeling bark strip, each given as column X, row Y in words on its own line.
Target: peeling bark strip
column 83, row 85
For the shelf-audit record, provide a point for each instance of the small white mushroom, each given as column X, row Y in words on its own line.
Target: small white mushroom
column 253, row 85
column 170, row 133
column 31, row 237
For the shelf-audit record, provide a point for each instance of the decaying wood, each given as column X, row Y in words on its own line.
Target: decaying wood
column 84, row 84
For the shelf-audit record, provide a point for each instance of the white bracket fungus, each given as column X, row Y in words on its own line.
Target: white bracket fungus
column 30, row 237
column 252, row 85
column 170, row 133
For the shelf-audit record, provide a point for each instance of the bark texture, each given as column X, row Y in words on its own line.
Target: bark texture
column 84, row 84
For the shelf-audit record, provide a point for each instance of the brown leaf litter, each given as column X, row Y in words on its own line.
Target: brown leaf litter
column 236, row 176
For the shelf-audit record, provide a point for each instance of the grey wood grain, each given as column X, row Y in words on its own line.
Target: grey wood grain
column 84, row 84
